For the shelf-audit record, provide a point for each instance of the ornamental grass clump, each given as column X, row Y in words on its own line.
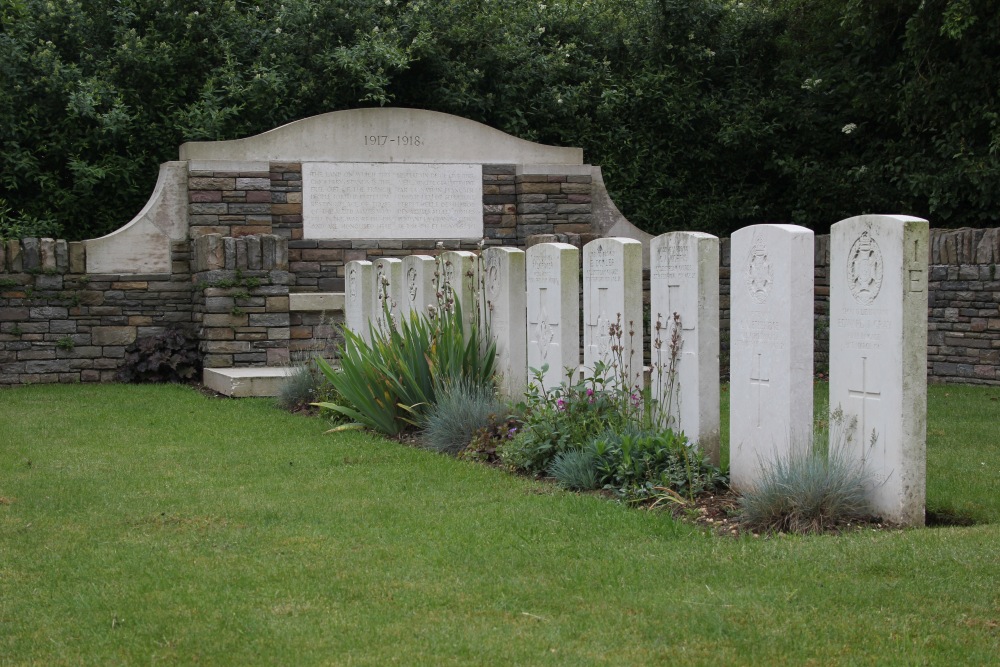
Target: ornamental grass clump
column 463, row 409
column 812, row 491
column 306, row 385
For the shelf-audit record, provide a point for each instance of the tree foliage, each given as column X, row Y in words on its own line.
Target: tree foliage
column 705, row 114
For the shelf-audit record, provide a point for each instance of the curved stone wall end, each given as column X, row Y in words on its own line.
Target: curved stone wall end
column 143, row 245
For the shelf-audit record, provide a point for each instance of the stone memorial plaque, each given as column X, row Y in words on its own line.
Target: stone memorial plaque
column 504, row 301
column 878, row 354
column 612, row 296
column 771, row 348
column 684, row 377
column 553, row 282
column 347, row 200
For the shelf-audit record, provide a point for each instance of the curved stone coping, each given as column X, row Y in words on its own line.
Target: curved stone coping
column 609, row 221
column 143, row 245
column 316, row 302
column 383, row 135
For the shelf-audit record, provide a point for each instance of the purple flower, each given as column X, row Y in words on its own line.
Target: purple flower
column 561, row 404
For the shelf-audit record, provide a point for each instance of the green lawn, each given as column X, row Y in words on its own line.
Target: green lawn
column 153, row 525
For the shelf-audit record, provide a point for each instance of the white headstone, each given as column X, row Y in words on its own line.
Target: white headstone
column 504, row 304
column 388, row 290
column 419, row 284
column 553, row 283
column 771, row 348
column 460, row 281
column 612, row 297
column 358, row 287
column 684, row 282
column 878, row 353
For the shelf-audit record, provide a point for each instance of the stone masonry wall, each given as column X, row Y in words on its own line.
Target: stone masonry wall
column 963, row 337
column 240, row 203
column 59, row 324
column 552, row 204
column 241, row 300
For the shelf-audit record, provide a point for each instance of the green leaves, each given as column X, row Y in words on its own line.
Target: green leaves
column 390, row 383
column 697, row 110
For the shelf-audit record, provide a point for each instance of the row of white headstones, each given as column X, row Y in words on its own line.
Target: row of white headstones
column 878, row 333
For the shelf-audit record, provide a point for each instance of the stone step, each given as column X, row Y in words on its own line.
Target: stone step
column 244, row 382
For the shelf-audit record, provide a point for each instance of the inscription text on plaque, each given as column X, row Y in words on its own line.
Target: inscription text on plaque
column 347, row 200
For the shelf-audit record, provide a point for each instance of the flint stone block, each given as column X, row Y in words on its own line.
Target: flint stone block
column 229, row 245
column 225, row 346
column 46, row 282
column 113, row 336
column 211, row 184
column 268, row 320
column 62, row 326
column 218, row 304
column 77, row 257
column 241, row 254
column 208, row 208
column 49, row 313
column 14, row 256
column 54, row 366
column 31, row 254
column 244, row 209
column 253, row 184
column 35, row 355
column 224, row 320
column 47, row 254
column 254, row 253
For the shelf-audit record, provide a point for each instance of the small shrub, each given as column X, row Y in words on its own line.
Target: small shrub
column 640, row 464
column 564, row 418
column 811, row 492
column 487, row 442
column 461, row 410
column 305, row 386
column 576, row 469
column 172, row 356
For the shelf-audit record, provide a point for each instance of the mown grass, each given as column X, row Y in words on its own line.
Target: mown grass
column 156, row 525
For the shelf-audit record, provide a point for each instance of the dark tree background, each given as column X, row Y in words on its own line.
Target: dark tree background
column 705, row 115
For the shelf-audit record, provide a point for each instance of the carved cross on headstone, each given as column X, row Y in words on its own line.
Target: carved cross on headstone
column 543, row 332
column 599, row 324
column 863, row 394
column 761, row 378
